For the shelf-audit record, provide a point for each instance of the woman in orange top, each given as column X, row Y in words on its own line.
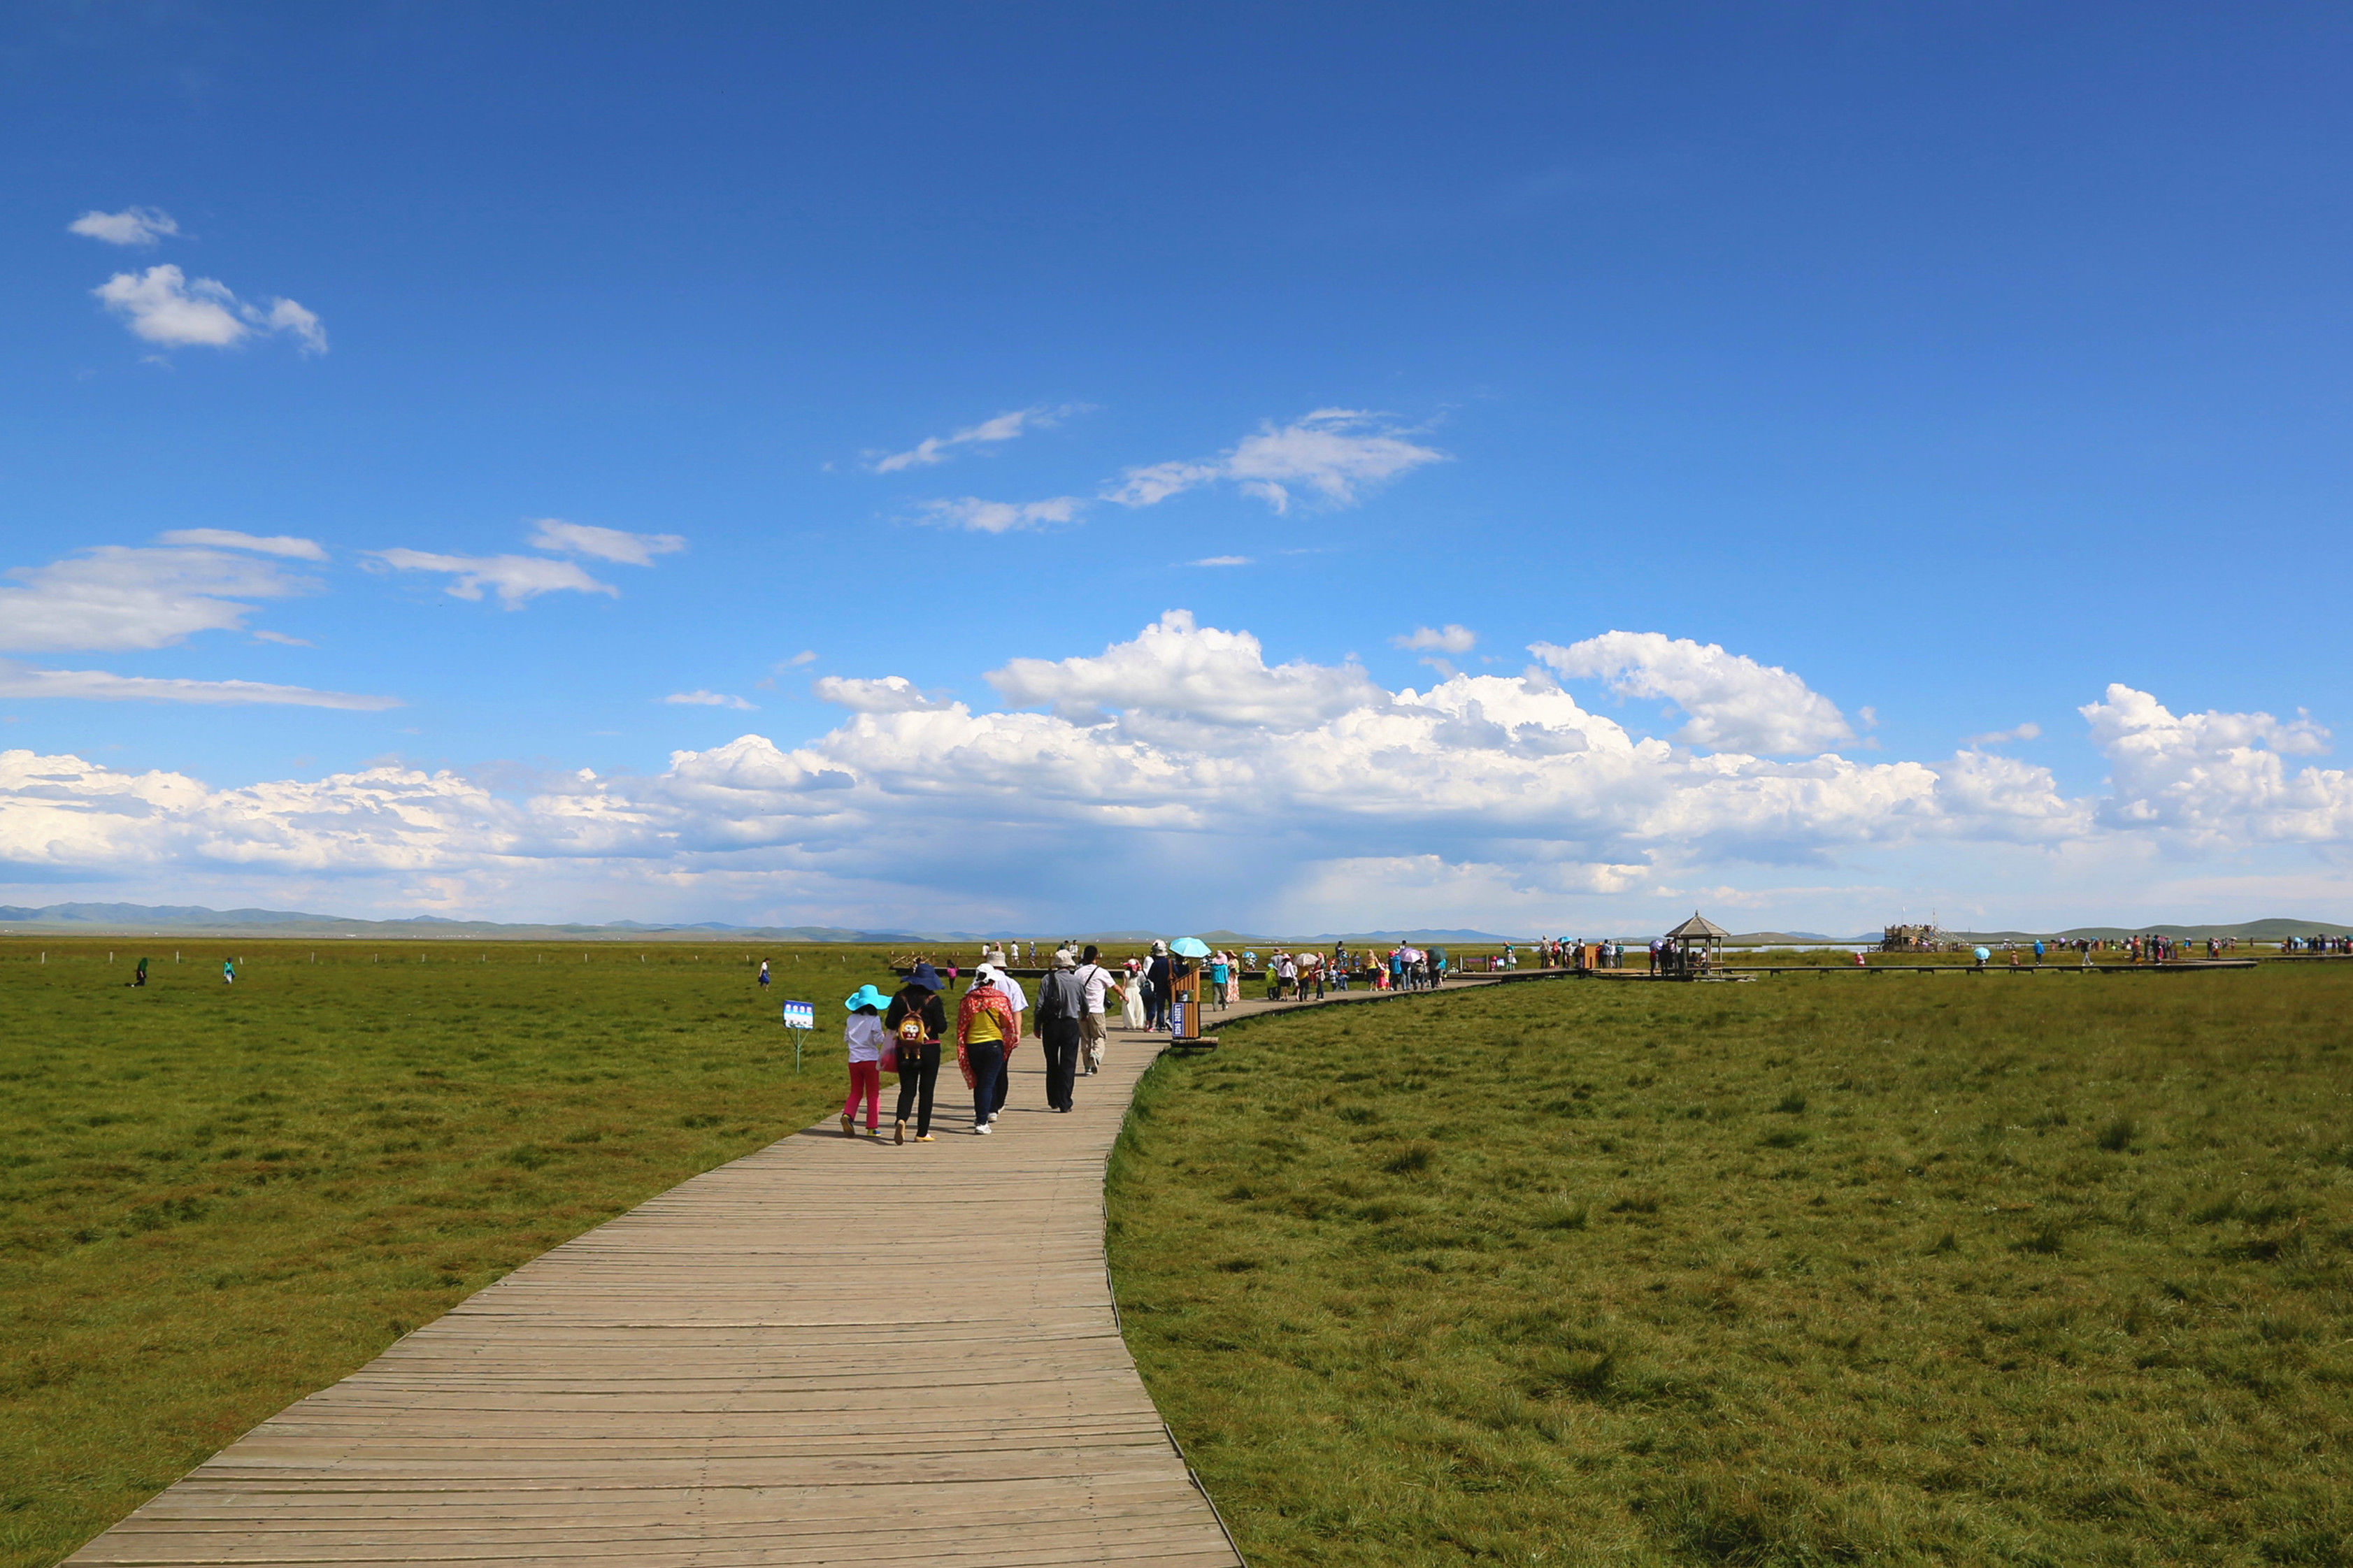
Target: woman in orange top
column 988, row 1029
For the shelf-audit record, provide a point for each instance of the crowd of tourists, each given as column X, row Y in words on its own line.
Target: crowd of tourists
column 908, row 1033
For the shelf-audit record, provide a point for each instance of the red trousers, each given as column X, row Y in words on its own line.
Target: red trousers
column 865, row 1079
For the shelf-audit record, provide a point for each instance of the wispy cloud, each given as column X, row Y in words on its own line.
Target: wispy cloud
column 1449, row 638
column 1001, row 517
column 164, row 306
column 131, row 225
column 889, row 694
column 700, row 698
column 116, row 597
column 1336, row 453
column 99, row 686
column 603, row 543
column 516, row 579
column 2027, row 731
column 933, row 449
column 284, row 544
column 1222, row 561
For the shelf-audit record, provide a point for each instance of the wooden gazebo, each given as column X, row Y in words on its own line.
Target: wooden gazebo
column 1695, row 947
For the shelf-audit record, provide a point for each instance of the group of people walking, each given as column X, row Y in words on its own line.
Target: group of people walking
column 907, row 1033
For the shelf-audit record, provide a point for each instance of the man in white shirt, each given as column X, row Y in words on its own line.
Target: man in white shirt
column 1093, row 1032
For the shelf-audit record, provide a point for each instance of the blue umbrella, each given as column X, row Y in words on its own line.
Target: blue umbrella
column 1189, row 947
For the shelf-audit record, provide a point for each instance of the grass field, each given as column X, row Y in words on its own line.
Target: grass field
column 1940, row 1269
column 214, row 1199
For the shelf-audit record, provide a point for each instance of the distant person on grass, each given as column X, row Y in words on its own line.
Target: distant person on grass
column 1095, row 982
column 862, row 1034
column 1062, row 1004
column 763, row 974
column 917, row 1023
column 229, row 972
column 988, row 1030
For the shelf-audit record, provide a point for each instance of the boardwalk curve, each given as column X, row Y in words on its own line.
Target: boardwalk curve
column 825, row 1351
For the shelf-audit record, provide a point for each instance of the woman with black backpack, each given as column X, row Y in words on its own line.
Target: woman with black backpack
column 915, row 1024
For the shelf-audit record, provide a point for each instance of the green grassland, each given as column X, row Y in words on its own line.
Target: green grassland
column 1939, row 1269
column 214, row 1199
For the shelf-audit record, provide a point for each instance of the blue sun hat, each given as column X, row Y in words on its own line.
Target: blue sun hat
column 865, row 996
column 926, row 976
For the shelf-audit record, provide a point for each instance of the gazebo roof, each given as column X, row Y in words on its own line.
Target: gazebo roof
column 1699, row 925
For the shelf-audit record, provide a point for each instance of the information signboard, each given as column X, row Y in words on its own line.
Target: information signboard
column 800, row 1015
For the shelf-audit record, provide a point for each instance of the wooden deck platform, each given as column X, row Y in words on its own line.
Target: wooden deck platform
column 828, row 1351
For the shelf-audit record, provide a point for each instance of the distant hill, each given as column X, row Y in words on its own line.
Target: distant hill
column 159, row 918
column 196, row 918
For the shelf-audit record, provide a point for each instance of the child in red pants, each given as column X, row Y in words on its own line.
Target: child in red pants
column 862, row 1036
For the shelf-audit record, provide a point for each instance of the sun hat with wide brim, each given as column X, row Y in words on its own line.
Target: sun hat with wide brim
column 926, row 976
column 865, row 996
column 1189, row 947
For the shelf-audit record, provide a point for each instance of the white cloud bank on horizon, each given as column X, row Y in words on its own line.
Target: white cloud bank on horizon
column 163, row 306
column 1181, row 764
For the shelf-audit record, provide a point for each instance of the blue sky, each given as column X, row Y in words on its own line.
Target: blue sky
column 1945, row 408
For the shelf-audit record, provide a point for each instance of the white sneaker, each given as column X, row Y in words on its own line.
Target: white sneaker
column 982, row 1130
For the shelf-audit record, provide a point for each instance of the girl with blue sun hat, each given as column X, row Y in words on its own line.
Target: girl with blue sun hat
column 862, row 1036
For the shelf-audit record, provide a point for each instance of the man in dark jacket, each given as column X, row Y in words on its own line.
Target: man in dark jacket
column 919, row 1059
column 1061, row 1000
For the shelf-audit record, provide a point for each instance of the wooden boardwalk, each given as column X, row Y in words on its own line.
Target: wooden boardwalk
column 826, row 1352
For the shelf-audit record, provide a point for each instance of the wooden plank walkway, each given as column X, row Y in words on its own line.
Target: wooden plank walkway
column 826, row 1352
column 830, row 1351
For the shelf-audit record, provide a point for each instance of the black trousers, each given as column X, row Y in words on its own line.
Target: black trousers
column 919, row 1075
column 1059, row 1039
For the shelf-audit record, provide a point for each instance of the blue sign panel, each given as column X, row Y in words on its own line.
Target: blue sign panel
column 800, row 1015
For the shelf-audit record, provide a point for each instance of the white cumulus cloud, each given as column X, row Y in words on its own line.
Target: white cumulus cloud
column 1732, row 703
column 164, row 306
column 603, row 543
column 2216, row 777
column 1000, row 517
column 1333, row 453
column 1178, row 668
column 131, row 225
column 936, row 450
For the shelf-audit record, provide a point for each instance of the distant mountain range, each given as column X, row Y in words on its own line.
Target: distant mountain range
column 193, row 918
